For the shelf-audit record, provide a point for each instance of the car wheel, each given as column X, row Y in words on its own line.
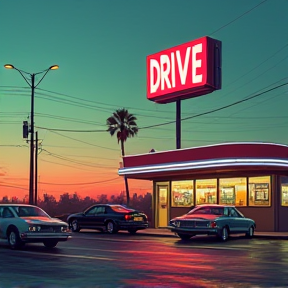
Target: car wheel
column 74, row 225
column 132, row 231
column 224, row 234
column 250, row 232
column 110, row 227
column 184, row 236
column 50, row 243
column 14, row 240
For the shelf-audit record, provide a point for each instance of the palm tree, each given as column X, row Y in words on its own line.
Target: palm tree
column 124, row 124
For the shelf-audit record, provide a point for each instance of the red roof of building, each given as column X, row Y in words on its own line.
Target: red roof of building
column 218, row 158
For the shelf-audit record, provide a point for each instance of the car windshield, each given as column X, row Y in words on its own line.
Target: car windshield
column 120, row 208
column 239, row 213
column 207, row 210
column 27, row 211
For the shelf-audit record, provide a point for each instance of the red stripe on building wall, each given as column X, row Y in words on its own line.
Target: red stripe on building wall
column 219, row 151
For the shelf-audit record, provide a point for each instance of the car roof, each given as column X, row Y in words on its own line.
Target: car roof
column 214, row 205
column 108, row 204
column 14, row 204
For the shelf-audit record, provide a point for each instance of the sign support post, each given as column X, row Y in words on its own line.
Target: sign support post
column 178, row 124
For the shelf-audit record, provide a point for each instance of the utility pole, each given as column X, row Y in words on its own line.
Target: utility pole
column 31, row 181
column 33, row 86
column 36, row 167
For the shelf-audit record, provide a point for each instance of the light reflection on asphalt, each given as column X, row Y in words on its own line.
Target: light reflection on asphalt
column 143, row 262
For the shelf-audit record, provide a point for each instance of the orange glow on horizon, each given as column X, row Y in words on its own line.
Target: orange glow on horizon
column 20, row 188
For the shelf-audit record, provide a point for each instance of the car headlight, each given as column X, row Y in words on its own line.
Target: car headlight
column 34, row 228
column 64, row 228
column 174, row 223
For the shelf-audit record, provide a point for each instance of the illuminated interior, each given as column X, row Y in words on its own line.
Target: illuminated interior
column 231, row 191
column 260, row 191
column 182, row 193
column 206, row 191
column 284, row 191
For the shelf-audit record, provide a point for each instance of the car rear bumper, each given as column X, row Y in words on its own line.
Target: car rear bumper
column 191, row 231
column 132, row 225
column 40, row 237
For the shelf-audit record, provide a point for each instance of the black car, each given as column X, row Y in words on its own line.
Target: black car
column 108, row 218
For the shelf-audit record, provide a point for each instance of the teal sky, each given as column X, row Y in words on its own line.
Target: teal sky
column 101, row 48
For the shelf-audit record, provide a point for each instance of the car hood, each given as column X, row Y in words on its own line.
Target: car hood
column 209, row 217
column 43, row 220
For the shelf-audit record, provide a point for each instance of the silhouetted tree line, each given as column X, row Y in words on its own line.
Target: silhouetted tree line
column 68, row 203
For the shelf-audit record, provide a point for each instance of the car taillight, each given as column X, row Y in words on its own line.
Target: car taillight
column 213, row 225
column 128, row 217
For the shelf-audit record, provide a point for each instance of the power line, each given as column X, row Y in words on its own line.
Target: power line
column 97, row 102
column 159, row 124
column 69, row 119
column 172, row 121
column 51, row 116
column 12, row 186
column 66, row 165
column 257, row 104
column 253, row 79
column 87, row 143
column 66, row 147
column 5, row 86
column 87, row 156
column 78, row 162
column 12, row 145
column 69, row 130
column 87, row 183
column 88, row 106
column 245, row 13
column 217, row 109
column 104, row 109
column 254, row 68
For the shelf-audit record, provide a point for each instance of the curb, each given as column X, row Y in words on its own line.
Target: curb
column 156, row 234
column 275, row 237
column 263, row 236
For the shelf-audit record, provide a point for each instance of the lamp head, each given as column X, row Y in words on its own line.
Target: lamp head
column 54, row 67
column 9, row 66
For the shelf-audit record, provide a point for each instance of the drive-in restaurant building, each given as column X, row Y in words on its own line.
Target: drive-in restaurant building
column 253, row 176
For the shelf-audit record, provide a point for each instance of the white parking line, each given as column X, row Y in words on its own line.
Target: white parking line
column 220, row 248
column 112, row 239
column 68, row 255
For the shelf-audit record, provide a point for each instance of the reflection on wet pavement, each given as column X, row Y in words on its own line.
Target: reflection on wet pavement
column 104, row 261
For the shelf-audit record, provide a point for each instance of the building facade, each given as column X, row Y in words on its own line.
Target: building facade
column 250, row 175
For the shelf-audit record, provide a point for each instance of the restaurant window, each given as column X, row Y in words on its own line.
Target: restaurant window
column 233, row 191
column 259, row 191
column 206, row 191
column 284, row 191
column 182, row 193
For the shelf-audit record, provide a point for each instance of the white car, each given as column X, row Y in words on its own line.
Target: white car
column 22, row 223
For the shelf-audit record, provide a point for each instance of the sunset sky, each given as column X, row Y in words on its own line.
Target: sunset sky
column 101, row 49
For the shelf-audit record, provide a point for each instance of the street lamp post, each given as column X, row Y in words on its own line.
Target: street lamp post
column 33, row 86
